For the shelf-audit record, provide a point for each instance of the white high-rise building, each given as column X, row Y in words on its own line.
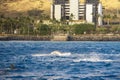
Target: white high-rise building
column 89, row 13
column 73, row 9
column 58, row 12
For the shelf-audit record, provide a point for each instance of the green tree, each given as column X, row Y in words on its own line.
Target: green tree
column 26, row 24
column 1, row 23
column 43, row 29
column 71, row 17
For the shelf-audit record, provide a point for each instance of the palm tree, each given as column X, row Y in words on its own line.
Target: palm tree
column 114, row 17
column 71, row 17
column 107, row 18
column 99, row 17
column 2, row 19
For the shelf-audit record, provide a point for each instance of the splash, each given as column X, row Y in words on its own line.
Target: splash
column 91, row 60
column 54, row 53
column 92, row 57
column 58, row 53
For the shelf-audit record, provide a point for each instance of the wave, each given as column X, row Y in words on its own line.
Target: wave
column 90, row 57
column 54, row 53
column 58, row 53
column 92, row 60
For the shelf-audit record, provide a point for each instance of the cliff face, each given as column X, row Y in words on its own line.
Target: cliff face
column 26, row 5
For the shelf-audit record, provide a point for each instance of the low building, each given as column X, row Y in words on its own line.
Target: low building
column 90, row 11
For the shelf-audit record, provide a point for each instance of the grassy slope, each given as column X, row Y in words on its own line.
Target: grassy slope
column 25, row 5
column 109, row 4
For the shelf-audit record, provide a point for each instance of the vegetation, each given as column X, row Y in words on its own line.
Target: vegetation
column 34, row 25
column 83, row 28
column 114, row 29
column 43, row 29
column 33, row 22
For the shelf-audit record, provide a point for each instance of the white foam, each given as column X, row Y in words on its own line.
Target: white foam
column 92, row 57
column 58, row 53
column 54, row 53
column 91, row 60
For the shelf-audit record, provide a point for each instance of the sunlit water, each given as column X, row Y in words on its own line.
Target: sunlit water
column 30, row 60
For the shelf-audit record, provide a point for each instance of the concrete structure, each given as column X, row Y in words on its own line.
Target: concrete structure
column 58, row 12
column 100, row 14
column 74, row 10
column 60, row 38
column 89, row 13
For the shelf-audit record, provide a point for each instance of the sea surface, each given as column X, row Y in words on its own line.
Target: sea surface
column 37, row 60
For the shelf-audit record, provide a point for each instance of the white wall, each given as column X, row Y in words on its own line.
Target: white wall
column 58, row 12
column 89, row 11
column 100, row 14
column 51, row 12
column 74, row 9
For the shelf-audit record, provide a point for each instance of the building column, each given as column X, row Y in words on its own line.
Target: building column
column 100, row 14
column 74, row 9
column 89, row 13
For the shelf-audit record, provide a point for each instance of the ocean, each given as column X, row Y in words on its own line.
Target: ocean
column 47, row 60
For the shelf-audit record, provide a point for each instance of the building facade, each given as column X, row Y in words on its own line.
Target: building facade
column 76, row 11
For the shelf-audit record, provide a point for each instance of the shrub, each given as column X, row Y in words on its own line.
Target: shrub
column 102, row 30
column 81, row 28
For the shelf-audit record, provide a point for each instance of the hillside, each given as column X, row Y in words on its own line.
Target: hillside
column 109, row 4
column 22, row 6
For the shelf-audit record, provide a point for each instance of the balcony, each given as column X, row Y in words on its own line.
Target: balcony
column 67, row 2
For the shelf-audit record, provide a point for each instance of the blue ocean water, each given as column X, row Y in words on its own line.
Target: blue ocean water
column 36, row 60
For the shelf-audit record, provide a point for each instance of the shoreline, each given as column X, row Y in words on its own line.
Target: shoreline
column 95, row 38
column 25, row 38
column 87, row 37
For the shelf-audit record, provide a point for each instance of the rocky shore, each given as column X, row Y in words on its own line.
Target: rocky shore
column 94, row 37
column 90, row 37
column 25, row 38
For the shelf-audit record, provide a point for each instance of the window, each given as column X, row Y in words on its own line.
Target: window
column 67, row 17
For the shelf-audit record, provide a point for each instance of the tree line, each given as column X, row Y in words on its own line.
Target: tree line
column 29, row 25
column 26, row 25
column 33, row 24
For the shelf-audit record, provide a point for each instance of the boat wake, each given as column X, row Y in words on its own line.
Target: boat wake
column 91, row 57
column 92, row 60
